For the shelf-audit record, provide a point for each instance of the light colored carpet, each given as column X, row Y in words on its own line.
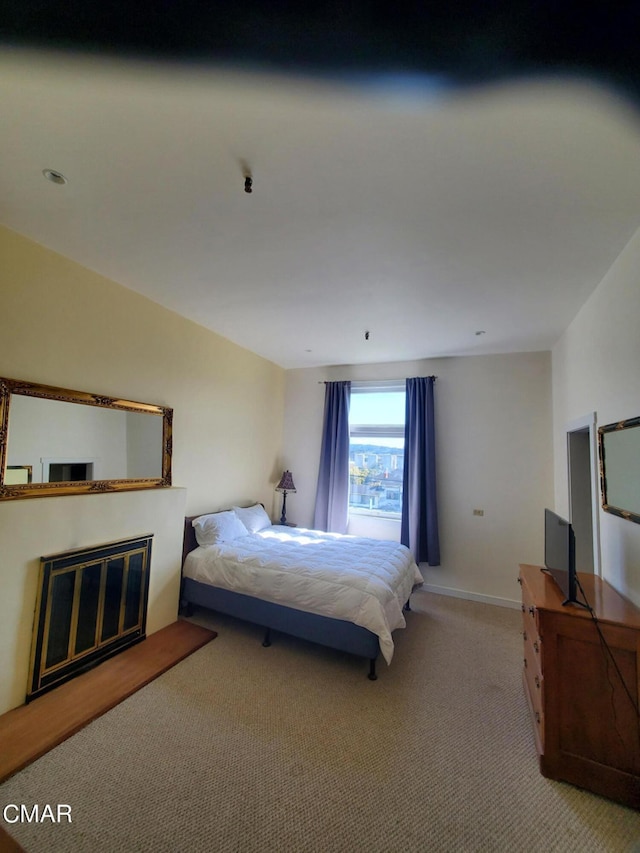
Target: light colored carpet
column 291, row 748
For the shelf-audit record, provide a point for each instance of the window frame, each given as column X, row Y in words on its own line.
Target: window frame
column 374, row 431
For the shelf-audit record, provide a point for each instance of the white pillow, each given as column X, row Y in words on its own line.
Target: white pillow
column 218, row 527
column 253, row 517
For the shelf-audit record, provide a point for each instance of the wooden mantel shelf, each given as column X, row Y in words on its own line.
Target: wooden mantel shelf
column 28, row 732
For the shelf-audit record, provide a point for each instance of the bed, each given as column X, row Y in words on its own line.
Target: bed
column 344, row 592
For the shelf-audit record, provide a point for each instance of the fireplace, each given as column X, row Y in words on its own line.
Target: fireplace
column 92, row 603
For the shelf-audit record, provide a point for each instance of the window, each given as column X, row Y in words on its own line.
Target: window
column 376, row 448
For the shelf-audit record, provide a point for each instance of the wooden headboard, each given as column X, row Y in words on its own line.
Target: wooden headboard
column 189, row 537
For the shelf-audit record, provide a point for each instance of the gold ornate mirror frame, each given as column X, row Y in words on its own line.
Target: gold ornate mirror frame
column 9, row 388
column 619, row 451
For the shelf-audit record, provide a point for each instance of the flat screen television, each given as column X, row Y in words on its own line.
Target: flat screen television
column 560, row 555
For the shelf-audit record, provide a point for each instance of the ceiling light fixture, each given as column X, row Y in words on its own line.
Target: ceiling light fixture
column 246, row 174
column 54, row 177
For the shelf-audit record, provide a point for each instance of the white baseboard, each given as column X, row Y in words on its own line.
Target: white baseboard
column 471, row 596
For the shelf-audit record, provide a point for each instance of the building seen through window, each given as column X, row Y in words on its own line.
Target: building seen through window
column 376, row 449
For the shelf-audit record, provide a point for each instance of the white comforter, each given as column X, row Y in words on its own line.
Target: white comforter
column 364, row 581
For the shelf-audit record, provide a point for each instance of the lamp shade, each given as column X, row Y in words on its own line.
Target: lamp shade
column 286, row 483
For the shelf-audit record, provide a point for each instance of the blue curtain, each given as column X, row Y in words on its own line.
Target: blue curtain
column 419, row 528
column 332, row 496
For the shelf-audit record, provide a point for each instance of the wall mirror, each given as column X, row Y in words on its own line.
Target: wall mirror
column 619, row 448
column 74, row 442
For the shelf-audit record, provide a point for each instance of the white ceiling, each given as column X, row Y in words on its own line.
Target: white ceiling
column 418, row 214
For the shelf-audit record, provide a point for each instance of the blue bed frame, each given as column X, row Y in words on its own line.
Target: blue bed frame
column 334, row 633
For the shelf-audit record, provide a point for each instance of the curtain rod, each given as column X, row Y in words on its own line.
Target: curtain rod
column 327, row 381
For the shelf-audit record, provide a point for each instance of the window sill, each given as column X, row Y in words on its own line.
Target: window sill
column 375, row 513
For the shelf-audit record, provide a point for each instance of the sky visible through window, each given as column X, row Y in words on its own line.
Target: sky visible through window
column 379, row 407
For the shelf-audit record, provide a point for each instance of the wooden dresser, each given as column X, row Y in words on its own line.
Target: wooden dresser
column 586, row 725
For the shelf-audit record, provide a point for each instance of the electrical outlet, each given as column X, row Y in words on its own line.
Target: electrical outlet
column 478, row 512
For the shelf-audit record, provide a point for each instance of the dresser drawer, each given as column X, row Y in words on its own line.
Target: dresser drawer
column 533, row 672
column 534, row 686
column 530, row 620
column 534, row 699
column 534, row 645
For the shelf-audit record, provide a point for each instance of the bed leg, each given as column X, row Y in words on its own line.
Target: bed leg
column 186, row 608
column 408, row 604
column 267, row 638
column 372, row 670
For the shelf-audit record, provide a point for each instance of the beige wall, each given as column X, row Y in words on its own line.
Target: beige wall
column 494, row 452
column 595, row 369
column 62, row 324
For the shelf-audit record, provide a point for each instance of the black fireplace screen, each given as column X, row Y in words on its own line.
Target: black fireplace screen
column 91, row 604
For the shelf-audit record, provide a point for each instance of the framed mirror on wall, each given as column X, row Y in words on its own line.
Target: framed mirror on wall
column 619, row 450
column 55, row 441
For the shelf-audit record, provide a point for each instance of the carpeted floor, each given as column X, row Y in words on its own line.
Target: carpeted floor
column 292, row 749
